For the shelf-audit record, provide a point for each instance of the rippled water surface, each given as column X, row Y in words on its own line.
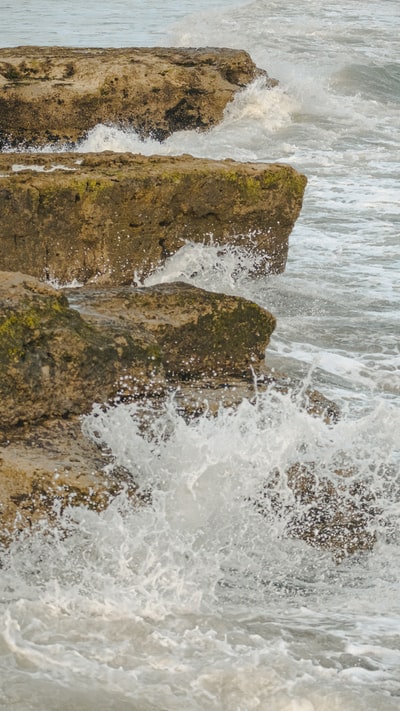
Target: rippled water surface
column 199, row 602
column 121, row 23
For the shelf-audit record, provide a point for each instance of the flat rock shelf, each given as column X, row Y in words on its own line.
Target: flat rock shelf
column 111, row 216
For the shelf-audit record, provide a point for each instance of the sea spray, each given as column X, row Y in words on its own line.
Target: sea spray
column 197, row 589
column 255, row 114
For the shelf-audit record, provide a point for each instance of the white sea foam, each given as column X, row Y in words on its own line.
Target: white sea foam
column 255, row 112
column 73, row 284
column 19, row 167
column 197, row 598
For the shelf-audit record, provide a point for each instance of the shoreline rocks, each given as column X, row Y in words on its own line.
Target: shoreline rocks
column 59, row 355
column 122, row 343
column 331, row 510
column 46, row 468
column 57, row 94
column 110, row 217
column 56, row 362
column 108, row 220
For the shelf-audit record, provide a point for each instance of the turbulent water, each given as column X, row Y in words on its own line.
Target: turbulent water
column 198, row 602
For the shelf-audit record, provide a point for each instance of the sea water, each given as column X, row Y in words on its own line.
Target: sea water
column 197, row 601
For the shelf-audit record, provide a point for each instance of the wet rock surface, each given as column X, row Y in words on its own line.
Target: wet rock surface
column 56, row 361
column 111, row 217
column 197, row 333
column 331, row 510
column 50, row 467
column 63, row 350
column 52, row 363
column 122, row 343
column 57, row 94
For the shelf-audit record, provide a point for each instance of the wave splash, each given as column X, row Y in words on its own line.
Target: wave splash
column 254, row 112
column 197, row 589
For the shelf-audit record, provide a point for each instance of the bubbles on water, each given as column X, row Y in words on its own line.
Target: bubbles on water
column 199, row 588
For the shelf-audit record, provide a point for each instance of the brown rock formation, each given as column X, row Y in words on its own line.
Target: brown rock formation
column 51, row 362
column 111, row 216
column 49, row 467
column 53, row 94
column 334, row 514
column 56, row 362
column 330, row 510
column 199, row 334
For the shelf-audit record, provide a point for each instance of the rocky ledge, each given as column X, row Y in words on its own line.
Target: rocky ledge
column 56, row 361
column 46, row 468
column 110, row 217
column 56, row 94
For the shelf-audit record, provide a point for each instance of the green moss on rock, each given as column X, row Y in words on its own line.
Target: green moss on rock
column 119, row 216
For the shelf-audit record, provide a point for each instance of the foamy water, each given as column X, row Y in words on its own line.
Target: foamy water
column 199, row 601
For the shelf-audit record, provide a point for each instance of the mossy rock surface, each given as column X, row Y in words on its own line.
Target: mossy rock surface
column 57, row 358
column 53, row 363
column 114, row 218
column 198, row 333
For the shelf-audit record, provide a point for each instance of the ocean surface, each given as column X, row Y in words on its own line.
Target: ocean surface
column 199, row 603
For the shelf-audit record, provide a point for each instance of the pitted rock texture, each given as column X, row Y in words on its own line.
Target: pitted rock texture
column 56, row 361
column 57, row 94
column 109, row 217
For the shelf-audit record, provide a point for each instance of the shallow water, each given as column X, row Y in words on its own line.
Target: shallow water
column 199, row 602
